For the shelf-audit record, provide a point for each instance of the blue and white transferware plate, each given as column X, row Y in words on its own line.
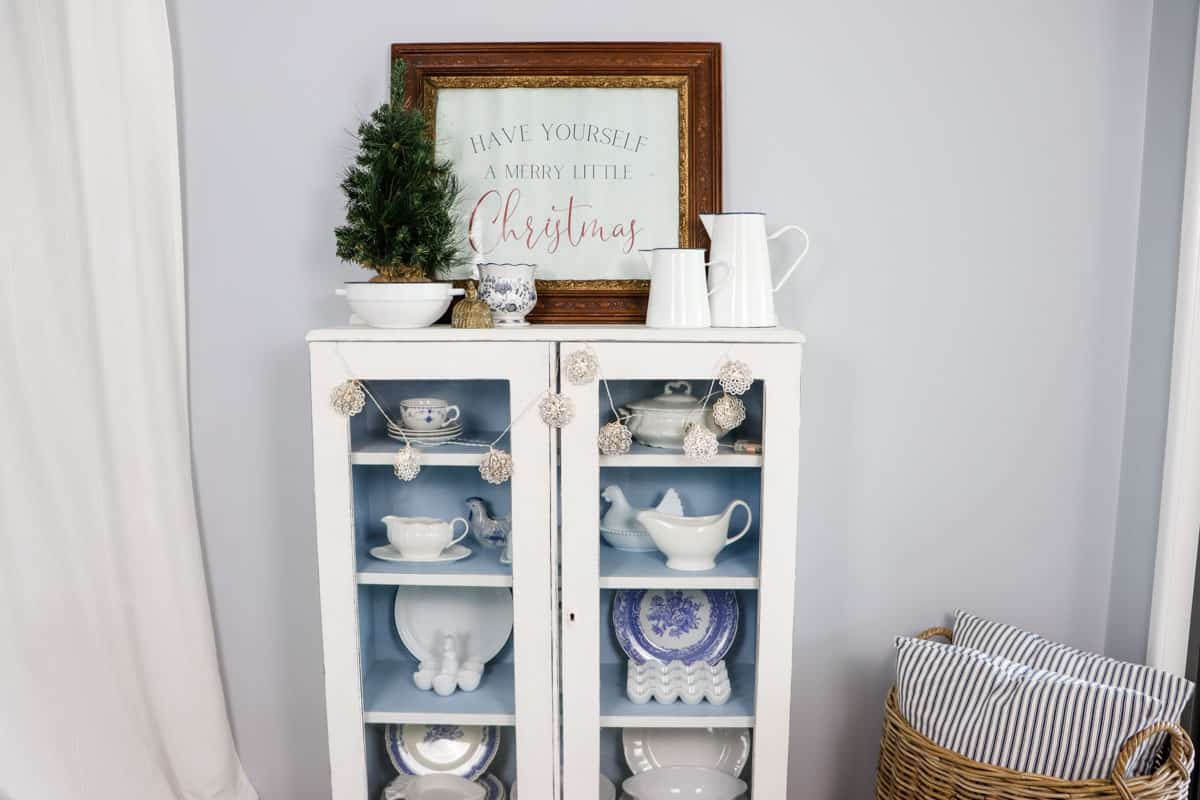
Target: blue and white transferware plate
column 463, row 750
column 494, row 786
column 667, row 625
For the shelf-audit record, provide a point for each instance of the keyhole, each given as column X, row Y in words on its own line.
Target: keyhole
column 572, row 615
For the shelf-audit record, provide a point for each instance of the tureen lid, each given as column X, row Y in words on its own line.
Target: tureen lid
column 676, row 396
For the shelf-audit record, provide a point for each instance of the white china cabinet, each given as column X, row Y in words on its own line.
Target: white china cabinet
column 555, row 699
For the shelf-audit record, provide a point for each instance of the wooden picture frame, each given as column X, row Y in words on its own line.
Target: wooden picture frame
column 692, row 69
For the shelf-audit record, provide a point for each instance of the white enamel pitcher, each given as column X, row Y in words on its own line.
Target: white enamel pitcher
column 679, row 290
column 746, row 299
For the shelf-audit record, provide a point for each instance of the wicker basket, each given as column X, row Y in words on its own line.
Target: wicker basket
column 912, row 767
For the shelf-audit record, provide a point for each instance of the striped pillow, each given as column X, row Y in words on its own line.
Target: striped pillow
column 998, row 712
column 1026, row 648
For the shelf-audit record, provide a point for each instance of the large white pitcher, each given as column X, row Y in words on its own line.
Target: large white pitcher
column 746, row 299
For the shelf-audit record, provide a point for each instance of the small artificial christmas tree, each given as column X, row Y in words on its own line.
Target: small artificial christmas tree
column 400, row 200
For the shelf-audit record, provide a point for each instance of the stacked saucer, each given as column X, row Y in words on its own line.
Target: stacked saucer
column 446, row 433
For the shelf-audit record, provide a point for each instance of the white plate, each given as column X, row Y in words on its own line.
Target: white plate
column 425, row 440
column 726, row 749
column 432, row 432
column 453, row 426
column 413, row 437
column 455, row 552
column 463, row 750
column 480, row 617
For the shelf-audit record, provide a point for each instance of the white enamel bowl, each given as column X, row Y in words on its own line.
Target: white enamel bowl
column 399, row 305
column 677, row 783
column 607, row 790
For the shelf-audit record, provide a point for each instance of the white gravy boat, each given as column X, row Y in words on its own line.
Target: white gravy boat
column 691, row 544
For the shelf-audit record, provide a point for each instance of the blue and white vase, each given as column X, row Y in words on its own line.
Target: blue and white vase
column 509, row 291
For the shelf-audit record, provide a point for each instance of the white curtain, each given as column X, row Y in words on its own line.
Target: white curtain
column 109, row 680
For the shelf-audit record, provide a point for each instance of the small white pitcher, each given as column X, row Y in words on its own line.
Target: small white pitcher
column 679, row 290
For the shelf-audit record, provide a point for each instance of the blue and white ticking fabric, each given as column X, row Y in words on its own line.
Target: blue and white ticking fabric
column 998, row 712
column 1027, row 648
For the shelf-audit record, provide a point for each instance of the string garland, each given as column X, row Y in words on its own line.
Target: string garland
column 582, row 366
column 495, row 467
column 556, row 409
column 347, row 398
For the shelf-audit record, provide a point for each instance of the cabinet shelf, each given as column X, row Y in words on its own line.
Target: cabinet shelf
column 481, row 568
column 641, row 455
column 737, row 568
column 389, row 696
column 618, row 711
column 382, row 451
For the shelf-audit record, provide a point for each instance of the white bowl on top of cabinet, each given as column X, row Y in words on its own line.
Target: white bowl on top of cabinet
column 398, row 305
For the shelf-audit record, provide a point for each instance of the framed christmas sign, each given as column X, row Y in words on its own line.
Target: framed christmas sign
column 575, row 156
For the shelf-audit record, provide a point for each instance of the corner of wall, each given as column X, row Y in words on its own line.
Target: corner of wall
column 1164, row 157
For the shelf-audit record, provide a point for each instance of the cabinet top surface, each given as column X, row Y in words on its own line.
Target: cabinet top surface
column 555, row 333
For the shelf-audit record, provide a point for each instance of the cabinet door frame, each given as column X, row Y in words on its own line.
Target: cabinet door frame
column 528, row 367
column 778, row 366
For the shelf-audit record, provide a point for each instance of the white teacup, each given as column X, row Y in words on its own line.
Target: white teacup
column 422, row 538
column 427, row 413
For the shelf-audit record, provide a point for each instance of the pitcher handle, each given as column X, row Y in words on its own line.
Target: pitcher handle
column 799, row 258
column 749, row 519
column 723, row 280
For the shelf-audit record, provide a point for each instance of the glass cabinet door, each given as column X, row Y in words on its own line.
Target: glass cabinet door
column 438, row 655
column 676, row 648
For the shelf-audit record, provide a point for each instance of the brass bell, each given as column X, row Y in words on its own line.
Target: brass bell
column 471, row 312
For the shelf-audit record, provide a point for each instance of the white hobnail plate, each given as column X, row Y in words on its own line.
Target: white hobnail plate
column 683, row 782
column 455, row 552
column 480, row 617
column 725, row 749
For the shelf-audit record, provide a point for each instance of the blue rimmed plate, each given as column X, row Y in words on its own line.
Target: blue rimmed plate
column 494, row 786
column 666, row 625
column 463, row 750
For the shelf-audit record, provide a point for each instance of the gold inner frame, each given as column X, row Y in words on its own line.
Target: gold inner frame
column 679, row 83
